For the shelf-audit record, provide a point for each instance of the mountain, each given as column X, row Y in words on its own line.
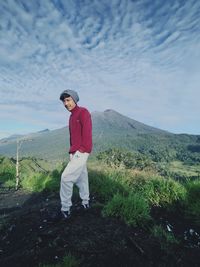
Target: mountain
column 110, row 119
column 44, row 131
column 15, row 137
column 10, row 138
column 110, row 129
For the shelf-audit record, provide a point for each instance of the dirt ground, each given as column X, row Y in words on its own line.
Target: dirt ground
column 30, row 236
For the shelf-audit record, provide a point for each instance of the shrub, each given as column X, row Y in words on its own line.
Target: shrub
column 103, row 186
column 157, row 190
column 40, row 181
column 121, row 158
column 164, row 192
column 133, row 209
column 10, row 183
column 53, row 184
column 6, row 175
column 192, row 203
column 35, row 183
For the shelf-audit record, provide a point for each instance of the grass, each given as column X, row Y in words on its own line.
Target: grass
column 10, row 183
column 127, row 194
column 6, row 175
column 133, row 209
column 68, row 261
column 159, row 191
column 164, row 192
column 104, row 186
column 36, row 182
column 41, row 181
column 166, row 240
column 185, row 170
column 192, row 202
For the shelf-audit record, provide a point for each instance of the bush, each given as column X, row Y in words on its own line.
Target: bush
column 164, row 192
column 36, row 183
column 10, row 183
column 133, row 209
column 125, row 159
column 40, row 181
column 192, row 203
column 157, row 190
column 104, row 186
column 53, row 184
column 7, row 176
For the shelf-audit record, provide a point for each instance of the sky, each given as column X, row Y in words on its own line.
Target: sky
column 139, row 58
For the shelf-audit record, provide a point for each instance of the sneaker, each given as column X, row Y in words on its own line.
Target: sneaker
column 65, row 214
column 85, row 206
column 80, row 208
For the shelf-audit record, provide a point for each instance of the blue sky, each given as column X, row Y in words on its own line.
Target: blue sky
column 140, row 58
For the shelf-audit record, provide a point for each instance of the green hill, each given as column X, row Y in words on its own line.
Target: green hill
column 110, row 130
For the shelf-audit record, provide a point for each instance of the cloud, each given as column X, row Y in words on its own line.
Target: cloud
column 117, row 54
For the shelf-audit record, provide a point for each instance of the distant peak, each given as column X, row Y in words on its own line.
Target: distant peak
column 109, row 110
column 43, row 131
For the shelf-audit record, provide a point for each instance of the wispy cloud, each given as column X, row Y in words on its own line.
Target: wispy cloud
column 141, row 58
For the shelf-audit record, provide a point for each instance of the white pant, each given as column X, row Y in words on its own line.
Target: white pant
column 75, row 172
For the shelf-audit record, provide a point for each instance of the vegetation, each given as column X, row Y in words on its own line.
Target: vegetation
column 103, row 185
column 125, row 159
column 68, row 261
column 134, row 171
column 127, row 185
column 192, row 202
column 166, row 239
column 7, row 171
column 133, row 209
column 35, row 174
column 112, row 130
column 162, row 192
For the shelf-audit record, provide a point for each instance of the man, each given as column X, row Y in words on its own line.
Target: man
column 80, row 129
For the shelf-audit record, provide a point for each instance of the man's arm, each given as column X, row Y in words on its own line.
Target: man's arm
column 86, row 122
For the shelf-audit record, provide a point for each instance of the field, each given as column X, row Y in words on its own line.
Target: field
column 138, row 216
column 184, row 169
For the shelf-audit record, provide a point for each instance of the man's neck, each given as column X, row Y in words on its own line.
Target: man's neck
column 74, row 109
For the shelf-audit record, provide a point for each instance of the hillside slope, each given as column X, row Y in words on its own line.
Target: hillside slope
column 110, row 129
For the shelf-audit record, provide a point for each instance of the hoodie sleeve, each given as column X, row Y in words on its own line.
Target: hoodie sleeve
column 86, row 122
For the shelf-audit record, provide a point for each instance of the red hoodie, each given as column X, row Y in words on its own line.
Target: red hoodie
column 80, row 128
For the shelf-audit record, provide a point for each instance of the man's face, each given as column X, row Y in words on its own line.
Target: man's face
column 69, row 103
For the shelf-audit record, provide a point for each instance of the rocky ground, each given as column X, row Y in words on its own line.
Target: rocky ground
column 31, row 236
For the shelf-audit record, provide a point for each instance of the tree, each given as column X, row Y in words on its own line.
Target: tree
column 19, row 144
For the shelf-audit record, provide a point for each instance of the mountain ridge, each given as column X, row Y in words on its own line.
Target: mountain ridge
column 130, row 123
column 103, row 114
column 110, row 130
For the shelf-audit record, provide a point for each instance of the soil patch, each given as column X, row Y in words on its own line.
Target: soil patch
column 30, row 236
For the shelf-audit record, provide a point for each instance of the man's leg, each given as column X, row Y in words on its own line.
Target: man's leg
column 83, row 185
column 69, row 176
